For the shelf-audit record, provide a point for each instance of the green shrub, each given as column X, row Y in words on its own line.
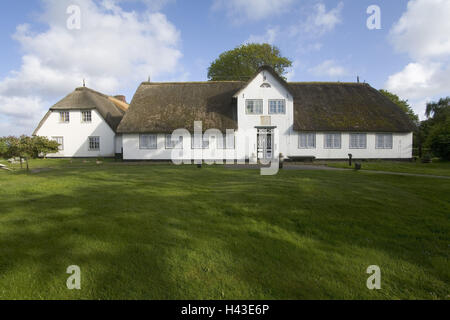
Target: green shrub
column 439, row 140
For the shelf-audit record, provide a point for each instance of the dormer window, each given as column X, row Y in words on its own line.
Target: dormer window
column 86, row 116
column 64, row 117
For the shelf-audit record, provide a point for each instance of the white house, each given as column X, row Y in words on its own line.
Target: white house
column 258, row 119
column 85, row 123
column 269, row 117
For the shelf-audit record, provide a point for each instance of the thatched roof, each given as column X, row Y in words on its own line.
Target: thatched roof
column 84, row 98
column 164, row 107
column 346, row 107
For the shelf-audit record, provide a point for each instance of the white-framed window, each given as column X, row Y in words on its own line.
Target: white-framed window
column 358, row 141
column 94, row 143
column 277, row 106
column 254, row 106
column 148, row 141
column 307, row 140
column 86, row 116
column 60, row 141
column 384, row 141
column 332, row 141
column 199, row 143
column 173, row 144
column 64, row 117
column 229, row 141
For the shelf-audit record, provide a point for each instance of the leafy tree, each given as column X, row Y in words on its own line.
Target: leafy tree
column 438, row 109
column 244, row 61
column 3, row 148
column 26, row 147
column 41, row 146
column 439, row 140
column 403, row 104
column 438, row 128
column 10, row 147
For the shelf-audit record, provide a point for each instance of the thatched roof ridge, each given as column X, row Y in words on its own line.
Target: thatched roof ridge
column 87, row 99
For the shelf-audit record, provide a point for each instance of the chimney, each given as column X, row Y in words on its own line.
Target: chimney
column 121, row 98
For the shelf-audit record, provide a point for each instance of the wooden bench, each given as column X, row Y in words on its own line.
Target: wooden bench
column 301, row 159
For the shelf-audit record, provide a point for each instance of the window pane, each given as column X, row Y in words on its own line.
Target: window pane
column 277, row 106
column 148, row 141
column 170, row 144
column 333, row 141
column 254, row 106
column 60, row 141
column 94, row 143
column 384, row 141
column 86, row 116
column 229, row 141
column 174, row 144
column 307, row 141
column 358, row 141
column 388, row 141
column 64, row 117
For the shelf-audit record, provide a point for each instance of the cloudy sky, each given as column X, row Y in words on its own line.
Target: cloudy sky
column 120, row 43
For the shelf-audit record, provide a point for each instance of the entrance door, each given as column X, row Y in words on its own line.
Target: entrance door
column 265, row 144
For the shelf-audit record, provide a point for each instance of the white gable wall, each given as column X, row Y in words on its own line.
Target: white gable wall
column 288, row 142
column 247, row 123
column 76, row 135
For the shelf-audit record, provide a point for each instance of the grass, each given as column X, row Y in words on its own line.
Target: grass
column 439, row 168
column 167, row 232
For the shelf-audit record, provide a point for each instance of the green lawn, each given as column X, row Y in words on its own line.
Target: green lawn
column 167, row 232
column 439, row 168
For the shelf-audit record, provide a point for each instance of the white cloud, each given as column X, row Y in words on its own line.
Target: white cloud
column 423, row 32
column 269, row 37
column 328, row 68
column 113, row 50
column 243, row 10
column 154, row 5
column 419, row 82
column 319, row 21
column 326, row 21
column 420, row 79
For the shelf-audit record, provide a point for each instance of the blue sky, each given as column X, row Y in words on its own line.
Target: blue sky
column 122, row 42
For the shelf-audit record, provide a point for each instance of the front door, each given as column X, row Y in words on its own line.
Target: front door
column 265, row 144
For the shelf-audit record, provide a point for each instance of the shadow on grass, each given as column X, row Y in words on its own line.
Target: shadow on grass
column 184, row 233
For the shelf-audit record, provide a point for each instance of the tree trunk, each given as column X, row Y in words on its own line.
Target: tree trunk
column 28, row 168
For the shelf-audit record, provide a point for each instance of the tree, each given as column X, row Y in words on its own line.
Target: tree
column 438, row 109
column 3, row 148
column 244, row 61
column 26, row 147
column 439, row 140
column 438, row 128
column 41, row 146
column 403, row 104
